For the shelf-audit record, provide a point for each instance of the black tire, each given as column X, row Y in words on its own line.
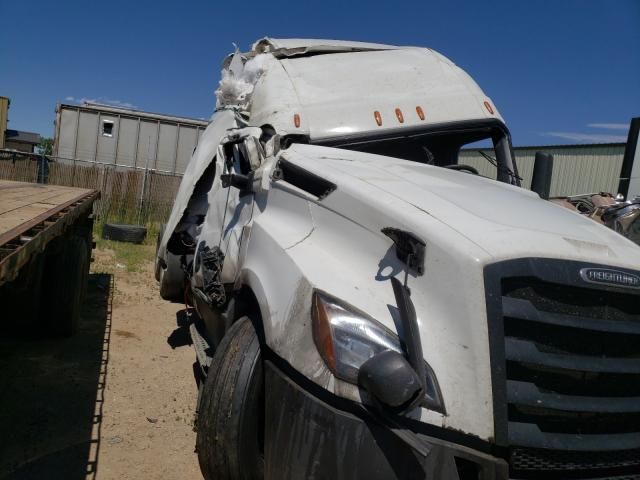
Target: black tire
column 124, row 233
column 231, row 411
column 65, row 275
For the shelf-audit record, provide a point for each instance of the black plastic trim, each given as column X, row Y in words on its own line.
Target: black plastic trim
column 629, row 156
column 536, row 463
column 410, row 249
column 528, row 435
column 306, row 437
column 525, row 393
column 524, row 310
column 524, row 351
column 361, row 412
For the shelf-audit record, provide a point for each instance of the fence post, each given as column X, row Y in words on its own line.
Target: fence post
column 144, row 178
column 73, row 172
column 42, row 175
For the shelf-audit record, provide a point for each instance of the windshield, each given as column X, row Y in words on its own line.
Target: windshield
column 484, row 148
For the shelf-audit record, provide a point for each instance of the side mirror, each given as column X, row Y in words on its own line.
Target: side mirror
column 242, row 145
column 391, row 381
column 542, row 172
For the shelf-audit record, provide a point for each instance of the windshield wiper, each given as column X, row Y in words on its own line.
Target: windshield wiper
column 502, row 168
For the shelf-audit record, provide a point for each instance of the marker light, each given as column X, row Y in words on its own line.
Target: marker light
column 420, row 112
column 399, row 115
column 487, row 105
column 296, row 120
column 378, row 117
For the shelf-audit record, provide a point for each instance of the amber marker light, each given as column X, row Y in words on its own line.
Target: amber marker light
column 296, row 120
column 322, row 332
column 488, row 106
column 399, row 115
column 420, row 112
column 378, row 117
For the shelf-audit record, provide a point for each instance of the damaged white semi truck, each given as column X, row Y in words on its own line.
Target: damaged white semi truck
column 370, row 308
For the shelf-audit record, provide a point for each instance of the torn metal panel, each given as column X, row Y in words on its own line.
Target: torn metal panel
column 202, row 157
column 238, row 80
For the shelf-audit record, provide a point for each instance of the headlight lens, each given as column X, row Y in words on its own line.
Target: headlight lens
column 346, row 338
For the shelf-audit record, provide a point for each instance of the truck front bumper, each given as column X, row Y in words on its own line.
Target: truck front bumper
column 311, row 437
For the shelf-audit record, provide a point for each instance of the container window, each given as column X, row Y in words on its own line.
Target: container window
column 107, row 128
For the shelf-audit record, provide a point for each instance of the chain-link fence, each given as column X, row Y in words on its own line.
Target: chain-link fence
column 128, row 194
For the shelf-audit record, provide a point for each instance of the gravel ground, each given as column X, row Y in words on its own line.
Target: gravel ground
column 115, row 401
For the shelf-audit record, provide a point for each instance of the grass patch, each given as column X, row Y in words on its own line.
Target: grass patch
column 129, row 256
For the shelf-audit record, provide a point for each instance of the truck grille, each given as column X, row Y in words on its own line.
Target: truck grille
column 568, row 372
column 541, row 460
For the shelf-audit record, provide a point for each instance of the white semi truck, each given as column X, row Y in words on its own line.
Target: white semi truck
column 368, row 307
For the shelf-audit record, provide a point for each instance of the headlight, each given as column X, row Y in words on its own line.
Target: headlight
column 346, row 338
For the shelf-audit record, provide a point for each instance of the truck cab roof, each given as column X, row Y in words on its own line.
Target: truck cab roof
column 323, row 89
column 309, row 45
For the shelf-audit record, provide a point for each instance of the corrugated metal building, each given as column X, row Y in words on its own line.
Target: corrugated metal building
column 577, row 168
column 124, row 137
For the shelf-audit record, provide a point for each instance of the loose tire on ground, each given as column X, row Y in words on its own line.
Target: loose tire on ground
column 63, row 286
column 124, row 233
column 230, row 413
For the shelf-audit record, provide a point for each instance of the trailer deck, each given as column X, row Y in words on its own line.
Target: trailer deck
column 31, row 215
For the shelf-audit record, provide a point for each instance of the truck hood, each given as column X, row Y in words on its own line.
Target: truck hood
column 503, row 220
column 467, row 222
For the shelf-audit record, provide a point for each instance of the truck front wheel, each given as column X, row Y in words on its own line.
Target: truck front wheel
column 231, row 408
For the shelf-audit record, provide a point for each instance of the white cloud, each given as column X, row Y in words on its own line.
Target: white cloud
column 588, row 137
column 102, row 101
column 610, row 126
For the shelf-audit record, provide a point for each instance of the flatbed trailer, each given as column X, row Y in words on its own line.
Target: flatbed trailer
column 45, row 249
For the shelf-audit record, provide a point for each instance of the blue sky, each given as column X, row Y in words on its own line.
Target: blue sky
column 563, row 71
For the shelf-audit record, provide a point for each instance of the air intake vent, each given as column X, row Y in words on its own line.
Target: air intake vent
column 303, row 179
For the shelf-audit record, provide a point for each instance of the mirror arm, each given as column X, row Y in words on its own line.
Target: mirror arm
column 241, row 182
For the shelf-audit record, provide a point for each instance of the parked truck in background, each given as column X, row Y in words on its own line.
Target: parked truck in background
column 45, row 252
column 369, row 307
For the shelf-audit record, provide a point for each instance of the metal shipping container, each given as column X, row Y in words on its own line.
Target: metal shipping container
column 124, row 137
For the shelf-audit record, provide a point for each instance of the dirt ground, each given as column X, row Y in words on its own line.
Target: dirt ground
column 116, row 401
